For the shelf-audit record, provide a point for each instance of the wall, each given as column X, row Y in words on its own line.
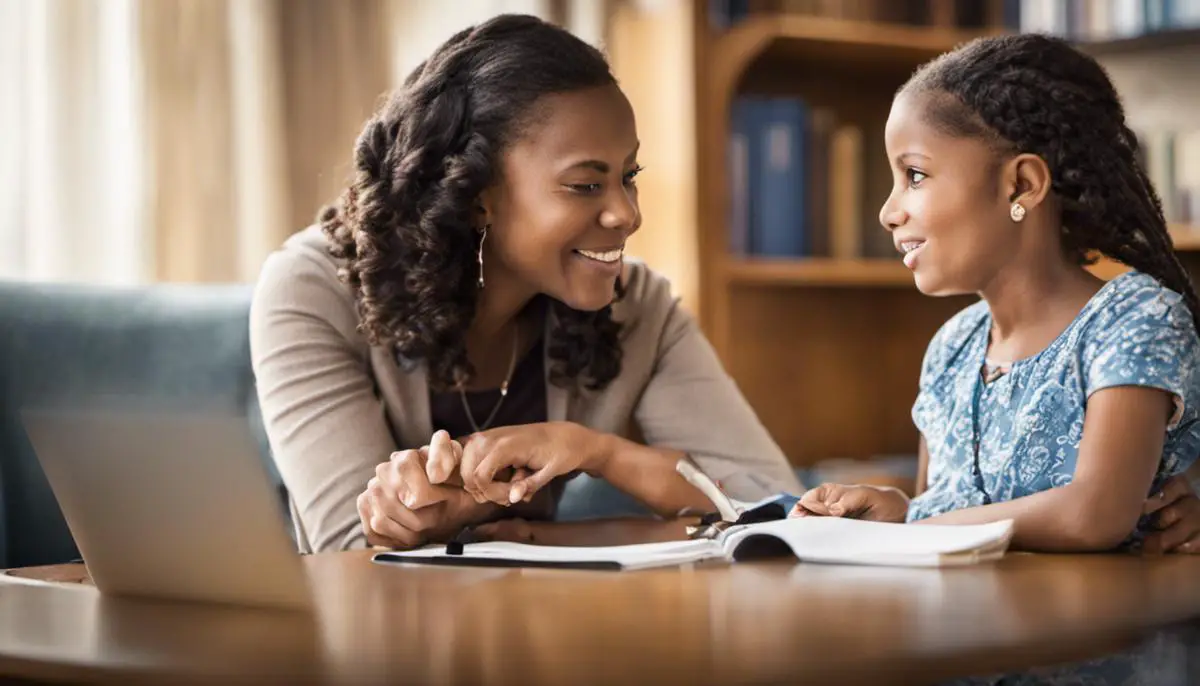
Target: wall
column 650, row 46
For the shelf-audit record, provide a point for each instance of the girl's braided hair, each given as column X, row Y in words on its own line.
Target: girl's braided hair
column 1037, row 94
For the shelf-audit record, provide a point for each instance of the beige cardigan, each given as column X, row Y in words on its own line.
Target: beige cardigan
column 334, row 407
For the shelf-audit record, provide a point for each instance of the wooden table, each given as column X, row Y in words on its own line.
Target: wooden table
column 767, row 622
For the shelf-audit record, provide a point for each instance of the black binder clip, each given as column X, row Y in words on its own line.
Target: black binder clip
column 455, row 546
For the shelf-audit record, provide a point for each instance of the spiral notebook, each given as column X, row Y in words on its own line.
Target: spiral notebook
column 828, row 540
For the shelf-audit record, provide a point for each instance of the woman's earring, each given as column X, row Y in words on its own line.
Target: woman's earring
column 479, row 255
column 1017, row 211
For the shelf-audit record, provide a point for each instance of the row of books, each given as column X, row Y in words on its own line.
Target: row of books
column 965, row 13
column 1095, row 20
column 1084, row 20
column 1172, row 161
column 802, row 182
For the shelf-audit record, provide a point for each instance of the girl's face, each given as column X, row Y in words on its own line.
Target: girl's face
column 948, row 212
column 566, row 201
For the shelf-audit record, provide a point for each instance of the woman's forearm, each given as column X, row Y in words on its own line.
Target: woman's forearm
column 649, row 475
column 1064, row 519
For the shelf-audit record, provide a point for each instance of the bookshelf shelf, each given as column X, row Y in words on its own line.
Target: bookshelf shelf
column 844, row 43
column 818, row 272
column 862, row 273
column 1146, row 42
column 1186, row 237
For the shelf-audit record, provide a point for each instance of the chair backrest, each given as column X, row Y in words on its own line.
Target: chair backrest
column 177, row 346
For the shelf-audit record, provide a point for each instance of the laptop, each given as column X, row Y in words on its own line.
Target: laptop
column 170, row 505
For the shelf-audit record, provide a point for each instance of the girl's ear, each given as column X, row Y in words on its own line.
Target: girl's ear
column 1027, row 180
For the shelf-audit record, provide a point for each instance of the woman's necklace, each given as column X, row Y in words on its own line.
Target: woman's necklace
column 512, row 364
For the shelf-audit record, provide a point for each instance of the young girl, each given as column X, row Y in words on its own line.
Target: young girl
column 1059, row 401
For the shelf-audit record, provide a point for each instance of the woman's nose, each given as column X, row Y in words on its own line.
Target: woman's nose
column 622, row 212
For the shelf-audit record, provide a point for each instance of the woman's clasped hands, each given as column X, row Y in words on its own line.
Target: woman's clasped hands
column 429, row 494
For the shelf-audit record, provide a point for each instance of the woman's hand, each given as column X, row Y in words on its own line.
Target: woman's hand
column 538, row 453
column 403, row 508
column 1178, row 518
column 874, row 503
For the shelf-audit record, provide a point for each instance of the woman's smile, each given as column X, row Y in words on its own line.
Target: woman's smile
column 605, row 262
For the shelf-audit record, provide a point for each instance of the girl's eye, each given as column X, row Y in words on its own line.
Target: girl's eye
column 632, row 174
column 915, row 177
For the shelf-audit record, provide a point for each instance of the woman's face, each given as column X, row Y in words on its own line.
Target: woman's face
column 565, row 201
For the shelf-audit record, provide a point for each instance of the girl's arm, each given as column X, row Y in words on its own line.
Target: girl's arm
column 1123, row 433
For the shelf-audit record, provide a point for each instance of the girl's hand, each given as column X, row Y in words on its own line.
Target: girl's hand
column 874, row 503
column 536, row 452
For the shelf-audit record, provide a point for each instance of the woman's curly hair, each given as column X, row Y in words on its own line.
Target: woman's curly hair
column 406, row 225
column 1037, row 94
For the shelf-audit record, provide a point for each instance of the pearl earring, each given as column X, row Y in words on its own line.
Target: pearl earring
column 479, row 255
column 1017, row 211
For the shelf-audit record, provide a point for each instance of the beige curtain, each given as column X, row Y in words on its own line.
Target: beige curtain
column 337, row 61
column 71, row 195
column 253, row 107
column 183, row 140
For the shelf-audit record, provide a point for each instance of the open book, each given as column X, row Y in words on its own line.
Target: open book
column 808, row 539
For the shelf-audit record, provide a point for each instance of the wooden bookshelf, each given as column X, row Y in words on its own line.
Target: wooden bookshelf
column 817, row 40
column 831, row 273
column 1157, row 40
column 865, row 273
column 780, row 52
column 1186, row 238
column 827, row 351
column 872, row 273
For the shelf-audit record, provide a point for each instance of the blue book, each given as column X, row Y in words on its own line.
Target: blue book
column 1012, row 15
column 746, row 115
column 779, row 196
column 723, row 14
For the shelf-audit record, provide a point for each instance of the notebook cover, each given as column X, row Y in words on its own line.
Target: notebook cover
column 466, row 561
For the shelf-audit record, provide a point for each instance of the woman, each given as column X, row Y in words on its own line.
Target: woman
column 471, row 280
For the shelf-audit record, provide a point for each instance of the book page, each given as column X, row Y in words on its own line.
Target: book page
column 854, row 541
column 812, row 539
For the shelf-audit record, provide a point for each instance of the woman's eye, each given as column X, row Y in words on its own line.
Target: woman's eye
column 915, row 177
column 593, row 188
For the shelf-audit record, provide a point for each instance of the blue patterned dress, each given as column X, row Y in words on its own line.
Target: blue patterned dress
column 1027, row 424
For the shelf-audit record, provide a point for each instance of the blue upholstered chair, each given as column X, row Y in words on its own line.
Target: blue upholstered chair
column 179, row 346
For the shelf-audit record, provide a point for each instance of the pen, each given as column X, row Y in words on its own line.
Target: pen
column 689, row 470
